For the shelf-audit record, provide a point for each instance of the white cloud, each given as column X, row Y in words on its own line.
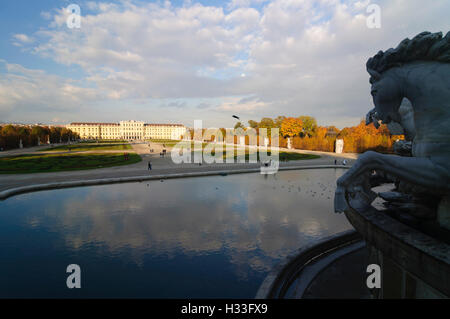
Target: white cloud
column 298, row 56
column 21, row 39
column 25, row 91
column 46, row 15
column 244, row 3
column 250, row 105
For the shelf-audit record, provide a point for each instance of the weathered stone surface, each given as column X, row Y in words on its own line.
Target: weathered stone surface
column 443, row 213
column 410, row 93
column 403, row 148
column 418, row 210
column 395, row 196
column 413, row 251
column 411, row 236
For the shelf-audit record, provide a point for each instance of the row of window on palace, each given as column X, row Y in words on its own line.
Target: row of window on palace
column 118, row 130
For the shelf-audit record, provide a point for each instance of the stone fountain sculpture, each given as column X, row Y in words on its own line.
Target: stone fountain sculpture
column 410, row 86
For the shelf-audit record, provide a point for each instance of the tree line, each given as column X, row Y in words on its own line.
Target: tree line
column 11, row 135
column 304, row 133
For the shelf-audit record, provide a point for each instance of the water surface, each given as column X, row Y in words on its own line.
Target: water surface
column 207, row 237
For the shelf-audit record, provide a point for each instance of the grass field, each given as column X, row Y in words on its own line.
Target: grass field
column 166, row 142
column 103, row 141
column 283, row 156
column 32, row 163
column 88, row 147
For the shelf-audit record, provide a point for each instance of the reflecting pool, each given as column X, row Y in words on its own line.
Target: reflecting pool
column 202, row 237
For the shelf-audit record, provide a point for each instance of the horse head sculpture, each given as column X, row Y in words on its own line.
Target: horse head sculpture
column 417, row 71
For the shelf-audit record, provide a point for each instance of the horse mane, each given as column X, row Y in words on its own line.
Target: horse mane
column 425, row 46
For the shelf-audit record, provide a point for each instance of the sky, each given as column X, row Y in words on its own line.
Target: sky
column 180, row 61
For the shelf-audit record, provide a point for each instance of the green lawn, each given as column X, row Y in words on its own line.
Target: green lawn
column 88, row 147
column 283, row 156
column 32, row 163
column 166, row 142
column 103, row 141
column 163, row 140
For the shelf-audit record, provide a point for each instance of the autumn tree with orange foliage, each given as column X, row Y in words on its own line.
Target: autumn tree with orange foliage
column 291, row 126
column 307, row 135
column 357, row 139
column 361, row 138
column 320, row 140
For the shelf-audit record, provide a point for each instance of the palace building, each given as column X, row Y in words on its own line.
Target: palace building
column 128, row 130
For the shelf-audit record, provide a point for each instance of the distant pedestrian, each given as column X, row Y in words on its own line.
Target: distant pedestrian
column 335, row 161
column 344, row 162
column 149, row 165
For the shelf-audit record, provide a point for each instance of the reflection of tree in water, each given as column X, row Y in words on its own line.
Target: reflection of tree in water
column 255, row 222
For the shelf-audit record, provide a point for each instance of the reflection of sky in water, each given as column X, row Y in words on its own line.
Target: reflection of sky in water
column 198, row 237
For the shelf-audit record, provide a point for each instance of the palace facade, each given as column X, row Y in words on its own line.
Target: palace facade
column 128, row 130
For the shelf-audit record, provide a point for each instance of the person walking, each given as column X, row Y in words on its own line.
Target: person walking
column 335, row 161
column 149, row 165
column 344, row 162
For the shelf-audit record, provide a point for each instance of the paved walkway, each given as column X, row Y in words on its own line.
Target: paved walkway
column 159, row 166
